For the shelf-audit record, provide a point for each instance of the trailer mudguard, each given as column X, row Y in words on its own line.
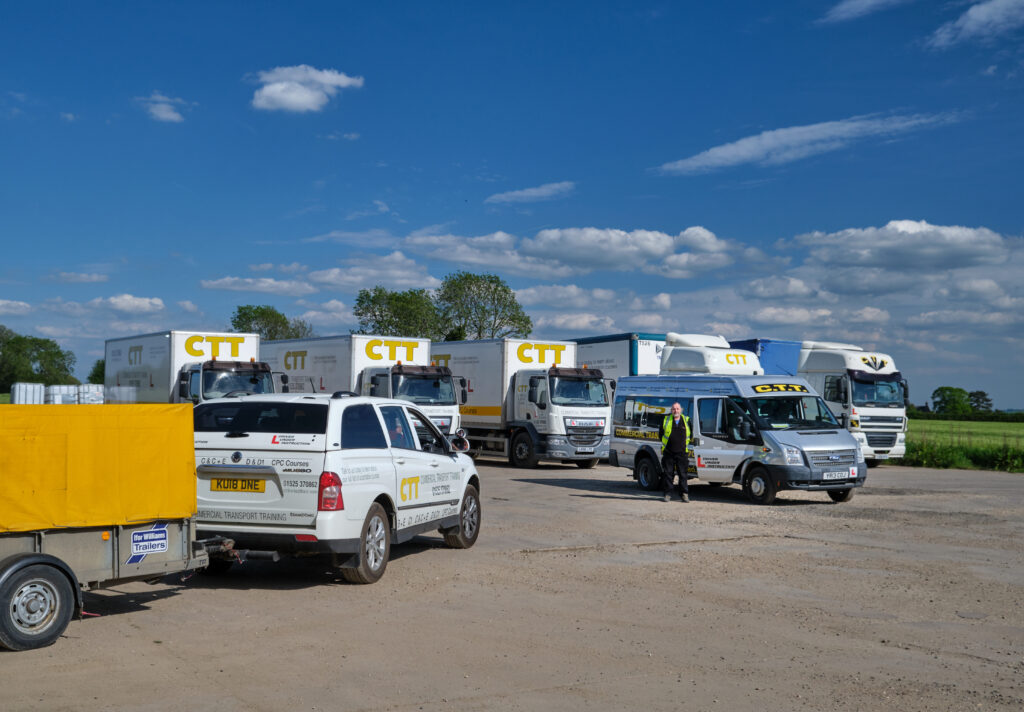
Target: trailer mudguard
column 16, row 562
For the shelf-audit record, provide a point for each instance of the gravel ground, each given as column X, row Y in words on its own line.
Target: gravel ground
column 584, row 592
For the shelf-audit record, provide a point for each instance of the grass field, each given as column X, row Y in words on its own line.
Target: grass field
column 965, row 444
column 5, row 398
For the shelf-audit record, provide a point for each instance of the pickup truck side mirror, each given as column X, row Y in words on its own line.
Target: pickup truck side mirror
column 458, row 441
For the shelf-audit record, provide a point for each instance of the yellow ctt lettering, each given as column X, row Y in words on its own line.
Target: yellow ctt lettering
column 295, row 360
column 442, row 359
column 409, row 488
column 191, row 348
column 736, row 359
column 521, row 353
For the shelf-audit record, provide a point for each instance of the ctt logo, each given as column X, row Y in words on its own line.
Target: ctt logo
column 525, row 353
column 134, row 355
column 409, row 488
column 874, row 362
column 294, row 360
column 374, row 346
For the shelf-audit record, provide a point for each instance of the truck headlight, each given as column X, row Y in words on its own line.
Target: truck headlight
column 901, row 438
column 556, row 440
column 793, row 455
column 860, row 455
column 443, row 424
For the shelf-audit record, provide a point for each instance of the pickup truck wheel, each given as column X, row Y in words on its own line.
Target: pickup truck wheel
column 587, row 464
column 464, row 535
column 647, row 474
column 523, row 453
column 37, row 603
column 374, row 548
column 843, row 495
column 758, row 486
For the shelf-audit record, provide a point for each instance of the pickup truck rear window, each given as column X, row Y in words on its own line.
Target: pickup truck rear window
column 261, row 418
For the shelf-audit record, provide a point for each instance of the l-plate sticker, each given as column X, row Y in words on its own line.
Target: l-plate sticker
column 148, row 541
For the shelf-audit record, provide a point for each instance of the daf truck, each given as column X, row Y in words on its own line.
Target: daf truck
column 369, row 365
column 619, row 355
column 184, row 367
column 864, row 389
column 529, row 401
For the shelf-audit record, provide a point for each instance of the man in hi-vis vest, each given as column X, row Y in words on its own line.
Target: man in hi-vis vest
column 675, row 437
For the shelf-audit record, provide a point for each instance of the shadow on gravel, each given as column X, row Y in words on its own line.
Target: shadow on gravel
column 629, row 490
column 112, row 602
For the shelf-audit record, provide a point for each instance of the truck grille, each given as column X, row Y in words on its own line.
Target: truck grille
column 825, row 459
column 881, row 440
column 584, row 437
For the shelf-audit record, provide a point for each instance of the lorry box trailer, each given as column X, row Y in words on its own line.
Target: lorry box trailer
column 184, row 366
column 618, row 355
column 90, row 496
column 700, row 353
column 369, row 365
column 864, row 389
column 528, row 401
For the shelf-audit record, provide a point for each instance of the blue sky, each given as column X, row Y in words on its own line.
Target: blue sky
column 811, row 170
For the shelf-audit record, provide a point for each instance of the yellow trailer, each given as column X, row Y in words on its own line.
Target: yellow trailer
column 90, row 495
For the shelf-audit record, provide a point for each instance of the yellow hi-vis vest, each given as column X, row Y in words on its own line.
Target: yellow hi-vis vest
column 667, row 428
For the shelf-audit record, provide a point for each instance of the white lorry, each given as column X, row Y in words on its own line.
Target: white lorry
column 382, row 366
column 527, row 400
column 184, row 366
column 619, row 355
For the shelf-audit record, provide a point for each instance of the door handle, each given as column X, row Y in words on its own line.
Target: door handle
column 400, row 461
column 435, row 464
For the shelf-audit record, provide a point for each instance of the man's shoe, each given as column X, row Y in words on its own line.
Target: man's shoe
column 685, row 498
column 668, row 497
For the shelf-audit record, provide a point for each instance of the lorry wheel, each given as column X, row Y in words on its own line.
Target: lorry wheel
column 374, row 548
column 523, row 454
column 843, row 495
column 647, row 474
column 587, row 464
column 464, row 535
column 758, row 486
column 37, row 603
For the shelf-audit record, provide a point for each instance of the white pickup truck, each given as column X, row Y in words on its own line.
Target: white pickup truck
column 341, row 475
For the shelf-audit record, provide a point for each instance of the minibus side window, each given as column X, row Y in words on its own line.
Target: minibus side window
column 710, row 410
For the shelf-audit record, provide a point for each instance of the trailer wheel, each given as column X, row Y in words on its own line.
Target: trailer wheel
column 374, row 548
column 843, row 495
column 587, row 464
column 523, row 453
column 647, row 474
column 758, row 486
column 464, row 535
column 37, row 603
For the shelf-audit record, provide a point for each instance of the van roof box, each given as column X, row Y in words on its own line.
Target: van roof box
column 829, row 345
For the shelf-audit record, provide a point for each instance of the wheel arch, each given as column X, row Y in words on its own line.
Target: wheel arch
column 384, row 500
column 15, row 563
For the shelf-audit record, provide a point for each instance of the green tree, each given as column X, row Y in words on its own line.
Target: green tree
column 269, row 323
column 980, row 402
column 408, row 313
column 951, row 401
column 98, row 371
column 482, row 306
column 32, row 359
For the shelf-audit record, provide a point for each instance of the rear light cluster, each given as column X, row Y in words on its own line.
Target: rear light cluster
column 329, row 498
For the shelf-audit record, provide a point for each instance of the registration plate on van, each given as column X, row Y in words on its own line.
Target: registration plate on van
column 584, row 450
column 235, row 485
column 844, row 475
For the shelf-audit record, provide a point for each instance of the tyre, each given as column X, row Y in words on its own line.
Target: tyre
column 374, row 548
column 647, row 473
column 37, row 603
column 872, row 463
column 758, row 486
column 523, row 453
column 587, row 464
column 843, row 495
column 464, row 535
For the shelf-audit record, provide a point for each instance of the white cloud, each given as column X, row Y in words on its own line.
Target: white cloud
column 266, row 285
column 982, row 21
column 81, row 277
column 330, row 313
column 688, row 264
column 188, row 306
column 777, row 286
column 351, row 136
column 647, row 321
column 594, row 323
column 363, row 238
column 264, row 267
column 300, row 88
column 163, row 108
column 563, row 296
column 496, row 251
column 8, row 306
column 68, row 116
column 662, row 301
column 792, row 315
column 548, row 191
column 395, row 271
column 852, row 9
column 292, row 268
column 790, row 144
column 128, row 303
column 868, row 315
column 379, row 208
column 965, row 317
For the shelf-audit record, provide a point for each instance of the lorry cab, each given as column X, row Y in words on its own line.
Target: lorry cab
column 207, row 380
column 432, row 389
column 764, row 433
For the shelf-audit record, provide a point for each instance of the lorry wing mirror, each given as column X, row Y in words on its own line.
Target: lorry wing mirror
column 612, row 383
column 843, row 420
column 375, row 384
column 284, row 379
column 844, row 390
column 462, row 382
column 465, row 395
column 532, row 394
column 183, row 388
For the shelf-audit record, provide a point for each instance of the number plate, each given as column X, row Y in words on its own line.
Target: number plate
column 584, row 451
column 222, row 485
column 844, row 475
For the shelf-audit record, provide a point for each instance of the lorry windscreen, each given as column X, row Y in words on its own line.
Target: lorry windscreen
column 217, row 384
column 423, row 390
column 243, row 417
column 584, row 392
column 878, row 391
column 791, row 413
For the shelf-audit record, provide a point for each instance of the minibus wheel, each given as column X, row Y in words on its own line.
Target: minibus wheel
column 758, row 486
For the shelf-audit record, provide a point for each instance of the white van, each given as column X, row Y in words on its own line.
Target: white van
column 765, row 433
column 340, row 475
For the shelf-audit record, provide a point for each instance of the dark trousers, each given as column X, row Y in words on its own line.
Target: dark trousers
column 673, row 463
